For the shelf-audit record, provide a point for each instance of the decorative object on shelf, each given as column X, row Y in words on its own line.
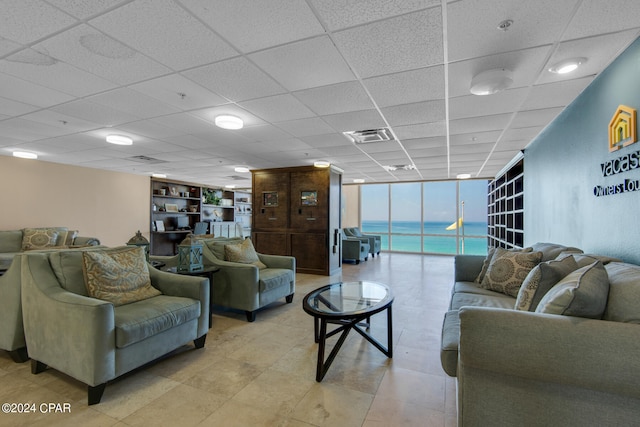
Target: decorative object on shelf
column 193, row 208
column 159, row 225
column 140, row 240
column 309, row 198
column 171, row 207
column 173, row 191
column 190, row 257
column 162, row 192
column 210, row 196
column 270, row 198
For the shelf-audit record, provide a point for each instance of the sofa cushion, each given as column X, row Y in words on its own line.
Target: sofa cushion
column 272, row 278
column 118, row 275
column 139, row 320
column 552, row 250
column 216, row 246
column 508, row 269
column 11, row 241
column 485, row 265
column 624, row 293
column 39, row 238
column 243, row 253
column 542, row 278
column 582, row 293
column 470, row 288
column 585, row 259
column 497, row 300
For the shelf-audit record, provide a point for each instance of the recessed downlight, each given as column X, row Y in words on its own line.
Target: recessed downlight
column 25, row 155
column 159, row 175
column 463, row 176
column 491, row 81
column 567, row 65
column 322, row 164
column 227, row 121
column 241, row 169
column 119, row 140
column 358, row 180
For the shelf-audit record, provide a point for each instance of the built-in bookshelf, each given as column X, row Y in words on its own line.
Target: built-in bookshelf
column 506, row 208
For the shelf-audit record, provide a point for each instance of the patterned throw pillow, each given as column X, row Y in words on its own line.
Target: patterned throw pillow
column 118, row 275
column 66, row 238
column 542, row 278
column 485, row 265
column 582, row 293
column 243, row 253
column 38, row 238
column 507, row 270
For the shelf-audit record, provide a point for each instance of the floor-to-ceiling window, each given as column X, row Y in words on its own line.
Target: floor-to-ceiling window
column 445, row 217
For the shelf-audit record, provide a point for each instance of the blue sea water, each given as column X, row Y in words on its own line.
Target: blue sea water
column 404, row 236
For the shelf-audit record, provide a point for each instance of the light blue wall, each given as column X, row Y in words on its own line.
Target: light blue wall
column 562, row 167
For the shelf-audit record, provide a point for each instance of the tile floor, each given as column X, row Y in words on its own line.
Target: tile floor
column 263, row 373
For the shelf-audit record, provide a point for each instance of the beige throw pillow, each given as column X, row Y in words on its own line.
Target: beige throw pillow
column 582, row 293
column 39, row 238
column 244, row 253
column 507, row 270
column 118, row 275
column 542, row 278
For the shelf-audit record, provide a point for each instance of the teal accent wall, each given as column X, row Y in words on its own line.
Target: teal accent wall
column 562, row 167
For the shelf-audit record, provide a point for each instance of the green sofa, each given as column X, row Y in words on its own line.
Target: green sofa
column 11, row 329
column 526, row 367
column 95, row 341
column 242, row 286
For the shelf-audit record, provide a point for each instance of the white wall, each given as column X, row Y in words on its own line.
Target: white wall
column 111, row 206
column 350, row 206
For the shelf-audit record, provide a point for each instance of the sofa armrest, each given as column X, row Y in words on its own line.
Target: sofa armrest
column 467, row 267
column 278, row 261
column 565, row 351
column 72, row 333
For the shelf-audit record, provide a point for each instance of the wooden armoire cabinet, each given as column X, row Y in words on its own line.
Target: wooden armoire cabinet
column 296, row 212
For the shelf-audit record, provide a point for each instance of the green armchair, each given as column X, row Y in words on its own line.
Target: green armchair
column 354, row 250
column 374, row 241
column 242, row 286
column 95, row 341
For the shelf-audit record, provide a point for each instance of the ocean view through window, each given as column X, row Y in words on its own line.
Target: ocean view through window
column 448, row 217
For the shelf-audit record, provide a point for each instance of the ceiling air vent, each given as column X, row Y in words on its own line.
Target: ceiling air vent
column 369, row 136
column 145, row 159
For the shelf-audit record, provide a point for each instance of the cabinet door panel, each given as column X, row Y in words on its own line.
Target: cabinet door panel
column 270, row 243
column 271, row 200
column 309, row 200
column 310, row 251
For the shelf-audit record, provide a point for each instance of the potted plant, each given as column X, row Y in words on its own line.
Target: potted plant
column 211, row 197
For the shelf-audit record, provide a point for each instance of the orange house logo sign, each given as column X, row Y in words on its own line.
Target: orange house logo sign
column 622, row 128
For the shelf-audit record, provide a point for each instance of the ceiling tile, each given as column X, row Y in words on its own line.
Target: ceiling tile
column 278, row 108
column 473, row 25
column 421, row 143
column 10, row 108
column 305, row 64
column 420, row 112
column 236, row 79
column 397, row 44
column 479, row 124
column 355, row 120
column 498, row 103
column 92, row 51
column 341, row 14
column 42, row 19
column 327, row 140
column 410, row 86
column 421, row 130
column 65, row 122
column 306, row 127
column 165, row 32
column 540, row 117
column 93, row 112
column 465, row 139
column 84, row 9
column 558, row 94
column 132, row 102
column 597, row 17
column 170, row 90
column 31, row 93
column 262, row 24
column 334, row 99
column 265, row 132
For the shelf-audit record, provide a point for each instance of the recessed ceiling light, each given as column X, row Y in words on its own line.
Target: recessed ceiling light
column 119, row 140
column 491, row 81
column 321, row 164
column 158, row 175
column 463, row 176
column 226, row 121
column 358, row 180
column 567, row 66
column 230, row 186
column 25, row 155
column 242, row 169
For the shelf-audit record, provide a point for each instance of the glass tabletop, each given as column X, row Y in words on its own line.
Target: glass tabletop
column 348, row 298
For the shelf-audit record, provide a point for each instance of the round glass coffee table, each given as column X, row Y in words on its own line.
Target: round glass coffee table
column 350, row 305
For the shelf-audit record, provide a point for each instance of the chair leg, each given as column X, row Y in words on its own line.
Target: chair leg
column 20, row 355
column 289, row 298
column 37, row 367
column 94, row 394
column 199, row 342
column 251, row 315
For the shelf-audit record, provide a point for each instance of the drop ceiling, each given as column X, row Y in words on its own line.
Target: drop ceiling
column 299, row 73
